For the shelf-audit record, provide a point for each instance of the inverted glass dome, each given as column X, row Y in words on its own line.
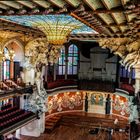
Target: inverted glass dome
column 52, row 19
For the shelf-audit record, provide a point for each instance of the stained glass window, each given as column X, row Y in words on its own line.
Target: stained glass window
column 124, row 73
column 61, row 63
column 72, row 59
column 6, row 67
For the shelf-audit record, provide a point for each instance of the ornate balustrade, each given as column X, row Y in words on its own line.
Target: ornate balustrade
column 96, row 85
column 61, row 83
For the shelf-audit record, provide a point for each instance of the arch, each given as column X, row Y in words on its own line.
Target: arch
column 18, row 48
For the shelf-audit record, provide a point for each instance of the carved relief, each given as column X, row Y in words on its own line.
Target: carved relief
column 128, row 49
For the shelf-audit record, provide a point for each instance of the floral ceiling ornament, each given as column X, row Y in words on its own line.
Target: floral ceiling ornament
column 57, row 28
column 128, row 49
column 40, row 51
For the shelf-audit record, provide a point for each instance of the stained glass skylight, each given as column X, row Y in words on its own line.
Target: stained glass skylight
column 31, row 20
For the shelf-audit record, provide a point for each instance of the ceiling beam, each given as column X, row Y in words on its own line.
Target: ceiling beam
column 26, row 3
column 106, row 11
column 4, row 25
column 99, row 36
column 85, row 22
column 42, row 3
column 12, row 4
column 111, row 14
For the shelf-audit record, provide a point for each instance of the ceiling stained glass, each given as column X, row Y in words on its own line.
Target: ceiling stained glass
column 33, row 19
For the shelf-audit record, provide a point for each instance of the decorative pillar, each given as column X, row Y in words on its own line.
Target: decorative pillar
column 46, row 73
column 22, row 101
column 11, row 69
column 54, row 72
column 66, row 62
column 1, row 70
column 86, row 103
column 11, row 54
column 1, row 63
column 130, row 76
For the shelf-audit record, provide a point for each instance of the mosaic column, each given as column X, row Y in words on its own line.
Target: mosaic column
column 46, row 73
column 66, row 63
column 11, row 69
column 54, row 72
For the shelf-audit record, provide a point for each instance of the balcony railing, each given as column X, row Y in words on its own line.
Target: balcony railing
column 97, row 85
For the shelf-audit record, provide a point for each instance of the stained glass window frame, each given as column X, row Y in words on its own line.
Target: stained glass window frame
column 6, row 66
column 61, row 66
column 72, row 53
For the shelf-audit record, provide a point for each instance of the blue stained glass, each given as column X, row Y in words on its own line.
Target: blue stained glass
column 75, row 49
column 75, row 61
column 75, row 55
column 70, row 54
column 69, row 69
column 124, row 72
column 74, row 69
column 121, row 74
column 60, row 70
column 27, row 20
column 60, row 61
column 70, row 60
column 133, row 73
column 63, row 70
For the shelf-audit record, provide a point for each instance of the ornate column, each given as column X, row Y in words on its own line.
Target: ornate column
column 1, row 70
column 130, row 75
column 54, row 72
column 1, row 62
column 11, row 69
column 11, row 54
column 46, row 73
column 66, row 62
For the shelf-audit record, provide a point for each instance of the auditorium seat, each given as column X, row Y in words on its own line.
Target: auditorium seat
column 12, row 115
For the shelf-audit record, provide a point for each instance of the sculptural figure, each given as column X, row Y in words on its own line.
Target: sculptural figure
column 133, row 110
column 38, row 81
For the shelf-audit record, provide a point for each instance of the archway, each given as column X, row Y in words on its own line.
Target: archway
column 18, row 47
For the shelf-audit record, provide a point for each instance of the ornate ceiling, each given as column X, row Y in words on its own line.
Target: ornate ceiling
column 110, row 18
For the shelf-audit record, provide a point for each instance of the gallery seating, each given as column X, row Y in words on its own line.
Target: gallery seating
column 6, row 106
column 12, row 115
